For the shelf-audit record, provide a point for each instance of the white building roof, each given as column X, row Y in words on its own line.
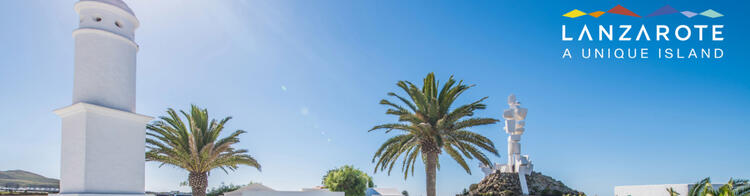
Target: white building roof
column 255, row 187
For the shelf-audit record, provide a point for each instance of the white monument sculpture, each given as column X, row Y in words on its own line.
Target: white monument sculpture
column 103, row 138
column 517, row 163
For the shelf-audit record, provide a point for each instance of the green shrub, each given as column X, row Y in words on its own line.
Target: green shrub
column 347, row 179
column 223, row 188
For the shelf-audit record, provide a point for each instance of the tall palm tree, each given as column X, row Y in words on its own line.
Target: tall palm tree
column 195, row 146
column 429, row 126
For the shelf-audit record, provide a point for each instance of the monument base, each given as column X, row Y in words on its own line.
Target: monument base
column 102, row 150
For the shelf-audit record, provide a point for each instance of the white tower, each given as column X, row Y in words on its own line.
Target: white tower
column 103, row 139
column 517, row 163
column 514, row 126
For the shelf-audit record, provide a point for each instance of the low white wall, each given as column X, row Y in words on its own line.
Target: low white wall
column 655, row 190
column 650, row 190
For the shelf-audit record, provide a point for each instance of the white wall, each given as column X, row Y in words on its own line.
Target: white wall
column 650, row 190
column 654, row 190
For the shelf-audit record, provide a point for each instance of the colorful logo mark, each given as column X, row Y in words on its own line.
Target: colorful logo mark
column 661, row 11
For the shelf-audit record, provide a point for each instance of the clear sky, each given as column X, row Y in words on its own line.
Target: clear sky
column 304, row 79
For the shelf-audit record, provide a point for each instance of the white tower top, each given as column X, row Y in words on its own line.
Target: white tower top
column 105, row 55
column 110, row 15
column 117, row 3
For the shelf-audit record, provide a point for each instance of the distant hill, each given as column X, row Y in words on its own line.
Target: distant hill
column 20, row 178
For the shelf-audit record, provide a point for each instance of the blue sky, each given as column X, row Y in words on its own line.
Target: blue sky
column 304, row 79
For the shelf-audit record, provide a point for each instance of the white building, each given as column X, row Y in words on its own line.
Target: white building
column 260, row 190
column 654, row 190
column 382, row 192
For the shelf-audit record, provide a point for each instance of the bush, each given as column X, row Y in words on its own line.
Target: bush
column 347, row 179
column 223, row 188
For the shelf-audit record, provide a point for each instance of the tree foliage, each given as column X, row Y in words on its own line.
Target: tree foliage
column 223, row 188
column 347, row 179
column 672, row 192
column 734, row 187
column 429, row 122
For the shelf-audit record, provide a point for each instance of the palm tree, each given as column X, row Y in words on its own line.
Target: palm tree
column 429, row 126
column 732, row 188
column 195, row 146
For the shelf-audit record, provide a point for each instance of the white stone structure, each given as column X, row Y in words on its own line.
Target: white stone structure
column 260, row 190
column 514, row 126
column 655, row 190
column 103, row 138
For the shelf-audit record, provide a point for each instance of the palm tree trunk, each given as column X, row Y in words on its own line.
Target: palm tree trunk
column 431, row 170
column 198, row 182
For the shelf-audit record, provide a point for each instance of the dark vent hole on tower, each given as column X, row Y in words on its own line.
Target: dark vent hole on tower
column 98, row 19
column 117, row 23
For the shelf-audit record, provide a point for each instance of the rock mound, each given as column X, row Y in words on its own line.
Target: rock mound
column 540, row 184
column 496, row 184
column 507, row 184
